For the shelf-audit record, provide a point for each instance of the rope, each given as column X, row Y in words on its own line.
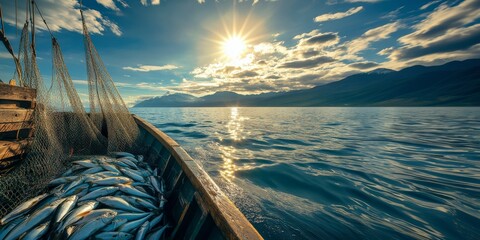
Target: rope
column 44, row 21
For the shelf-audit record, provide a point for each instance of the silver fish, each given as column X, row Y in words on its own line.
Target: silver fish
column 131, row 226
column 157, row 234
column 129, row 173
column 131, row 162
column 62, row 180
column 78, row 213
column 75, row 183
column 119, row 164
column 33, row 220
column 140, row 158
column 114, row 236
column 140, row 202
column 155, row 183
column 122, row 154
column 113, row 181
column 37, row 233
column 115, row 224
column 142, row 232
column 4, row 230
column 64, row 208
column 156, row 221
column 109, row 167
column 87, row 163
column 92, row 215
column 132, row 191
column 22, row 209
column 74, row 169
column 87, row 230
column 118, row 203
column 101, row 192
column 132, row 216
column 76, row 190
column 92, row 170
column 162, row 202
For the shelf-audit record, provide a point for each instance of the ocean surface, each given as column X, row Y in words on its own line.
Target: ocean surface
column 340, row 173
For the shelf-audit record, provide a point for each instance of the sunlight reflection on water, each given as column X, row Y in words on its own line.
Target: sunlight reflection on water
column 229, row 153
column 340, row 173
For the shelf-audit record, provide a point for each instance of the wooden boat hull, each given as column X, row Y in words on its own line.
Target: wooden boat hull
column 16, row 124
column 197, row 206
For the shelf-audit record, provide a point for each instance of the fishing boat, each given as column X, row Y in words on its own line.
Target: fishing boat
column 196, row 208
column 197, row 205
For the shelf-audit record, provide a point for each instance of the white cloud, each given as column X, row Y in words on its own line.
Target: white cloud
column 373, row 35
column 110, row 4
column 149, row 68
column 64, row 15
column 338, row 15
column 429, row 4
column 446, row 30
column 5, row 55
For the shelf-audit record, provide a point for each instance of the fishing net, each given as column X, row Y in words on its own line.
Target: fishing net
column 63, row 128
column 45, row 156
column 107, row 109
column 73, row 127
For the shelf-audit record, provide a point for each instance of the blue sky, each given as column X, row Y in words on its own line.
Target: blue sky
column 154, row 47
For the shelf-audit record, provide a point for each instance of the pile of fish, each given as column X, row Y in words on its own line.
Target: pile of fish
column 118, row 197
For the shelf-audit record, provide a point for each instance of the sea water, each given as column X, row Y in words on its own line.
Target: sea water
column 339, row 173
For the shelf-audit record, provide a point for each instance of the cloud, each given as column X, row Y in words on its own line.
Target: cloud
column 393, row 14
column 338, row 15
column 110, row 4
column 322, row 39
column 364, row 65
column 5, row 55
column 446, row 29
column 372, row 35
column 149, row 68
column 64, row 15
column 458, row 39
column 307, row 63
column 247, row 73
column 332, row 2
column 442, row 20
column 429, row 4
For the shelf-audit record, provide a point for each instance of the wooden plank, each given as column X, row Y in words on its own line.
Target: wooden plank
column 230, row 221
column 15, row 115
column 8, row 92
column 9, row 106
column 7, row 127
column 10, row 149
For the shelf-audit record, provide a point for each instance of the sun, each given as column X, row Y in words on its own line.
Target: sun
column 234, row 47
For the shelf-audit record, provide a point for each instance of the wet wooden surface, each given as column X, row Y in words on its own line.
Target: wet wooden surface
column 16, row 123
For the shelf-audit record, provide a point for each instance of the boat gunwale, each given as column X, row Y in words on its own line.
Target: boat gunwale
column 228, row 218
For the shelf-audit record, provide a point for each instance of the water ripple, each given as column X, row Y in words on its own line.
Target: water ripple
column 340, row 173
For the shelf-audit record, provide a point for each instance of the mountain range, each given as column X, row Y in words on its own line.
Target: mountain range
column 455, row 83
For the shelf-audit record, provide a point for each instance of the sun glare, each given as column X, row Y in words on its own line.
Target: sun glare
column 233, row 47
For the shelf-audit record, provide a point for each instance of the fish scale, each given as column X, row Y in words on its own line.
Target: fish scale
column 96, row 198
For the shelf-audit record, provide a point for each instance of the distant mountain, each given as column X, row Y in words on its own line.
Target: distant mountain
column 452, row 84
column 170, row 100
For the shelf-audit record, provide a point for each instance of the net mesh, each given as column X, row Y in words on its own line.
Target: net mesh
column 62, row 126
column 44, row 159
column 107, row 108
